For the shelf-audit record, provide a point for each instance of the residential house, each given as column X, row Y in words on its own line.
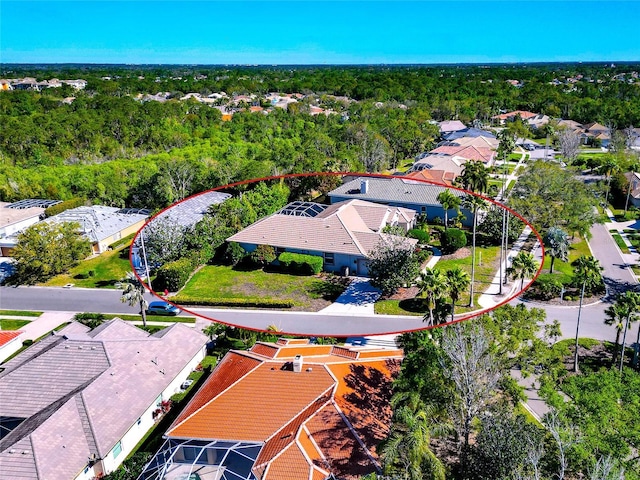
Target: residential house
column 450, row 126
column 102, row 225
column 76, row 404
column 478, row 141
column 596, row 133
column 468, row 132
column 440, row 168
column 398, row 192
column 634, row 184
column 481, row 154
column 284, row 410
column 16, row 216
column 503, row 118
column 343, row 234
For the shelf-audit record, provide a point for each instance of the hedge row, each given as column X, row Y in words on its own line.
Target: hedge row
column 299, row 263
column 174, row 275
column 234, row 302
column 62, row 206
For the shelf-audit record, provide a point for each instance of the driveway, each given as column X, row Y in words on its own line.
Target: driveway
column 357, row 299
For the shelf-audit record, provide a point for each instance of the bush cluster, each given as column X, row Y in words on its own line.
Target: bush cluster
column 62, row 206
column 174, row 275
column 301, row 264
column 421, row 235
column 452, row 239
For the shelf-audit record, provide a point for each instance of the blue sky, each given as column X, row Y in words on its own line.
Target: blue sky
column 309, row 32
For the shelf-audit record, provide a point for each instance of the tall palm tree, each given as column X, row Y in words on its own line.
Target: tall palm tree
column 557, row 245
column 449, row 201
column 616, row 317
column 586, row 273
column 457, row 281
column 475, row 178
column 409, row 443
column 609, row 166
column 133, row 295
column 523, row 266
column 475, row 203
column 433, row 284
column 629, row 303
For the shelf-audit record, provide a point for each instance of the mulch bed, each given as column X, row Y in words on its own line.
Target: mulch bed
column 404, row 294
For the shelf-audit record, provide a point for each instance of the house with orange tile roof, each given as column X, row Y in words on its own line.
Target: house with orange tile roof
column 288, row 410
column 342, row 234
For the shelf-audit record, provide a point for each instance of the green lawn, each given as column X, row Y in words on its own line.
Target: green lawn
column 486, row 268
column 108, row 268
column 20, row 313
column 11, row 324
column 619, row 241
column 564, row 270
column 224, row 282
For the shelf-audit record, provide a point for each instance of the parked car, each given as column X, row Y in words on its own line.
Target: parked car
column 162, row 308
column 186, row 384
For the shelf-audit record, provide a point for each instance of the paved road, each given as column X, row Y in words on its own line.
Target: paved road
column 64, row 299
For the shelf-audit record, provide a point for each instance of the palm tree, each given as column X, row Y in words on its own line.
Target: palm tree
column 557, row 245
column 523, row 266
column 434, row 285
column 449, row 201
column 609, row 166
column 133, row 295
column 409, row 443
column 475, row 203
column 476, row 179
column 586, row 273
column 457, row 281
column 629, row 304
column 615, row 317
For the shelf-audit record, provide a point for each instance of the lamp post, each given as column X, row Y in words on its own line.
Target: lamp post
column 146, row 263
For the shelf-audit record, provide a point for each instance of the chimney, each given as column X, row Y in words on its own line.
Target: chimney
column 364, row 186
column 297, row 363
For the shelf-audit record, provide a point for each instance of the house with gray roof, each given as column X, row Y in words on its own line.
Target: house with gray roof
column 343, row 233
column 103, row 225
column 422, row 197
column 75, row 404
column 17, row 216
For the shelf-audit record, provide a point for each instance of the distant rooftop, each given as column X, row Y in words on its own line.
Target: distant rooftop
column 32, row 202
column 193, row 209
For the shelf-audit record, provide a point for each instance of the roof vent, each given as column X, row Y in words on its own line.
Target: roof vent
column 297, row 363
column 364, row 186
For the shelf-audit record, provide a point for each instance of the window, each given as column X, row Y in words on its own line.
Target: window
column 279, row 250
column 117, row 450
column 190, row 453
column 329, row 259
column 423, row 209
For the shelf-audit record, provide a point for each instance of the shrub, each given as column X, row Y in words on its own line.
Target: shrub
column 453, row 239
column 62, row 206
column 263, row 255
column 299, row 263
column 234, row 254
column 547, row 288
column 419, row 234
column 174, row 275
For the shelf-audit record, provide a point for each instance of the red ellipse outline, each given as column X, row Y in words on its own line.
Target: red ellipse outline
column 470, row 316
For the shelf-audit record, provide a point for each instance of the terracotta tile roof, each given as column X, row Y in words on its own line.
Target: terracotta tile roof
column 7, row 336
column 232, row 368
column 522, row 113
column 287, row 394
column 438, row 176
column 344, row 456
column 264, row 350
column 297, row 415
